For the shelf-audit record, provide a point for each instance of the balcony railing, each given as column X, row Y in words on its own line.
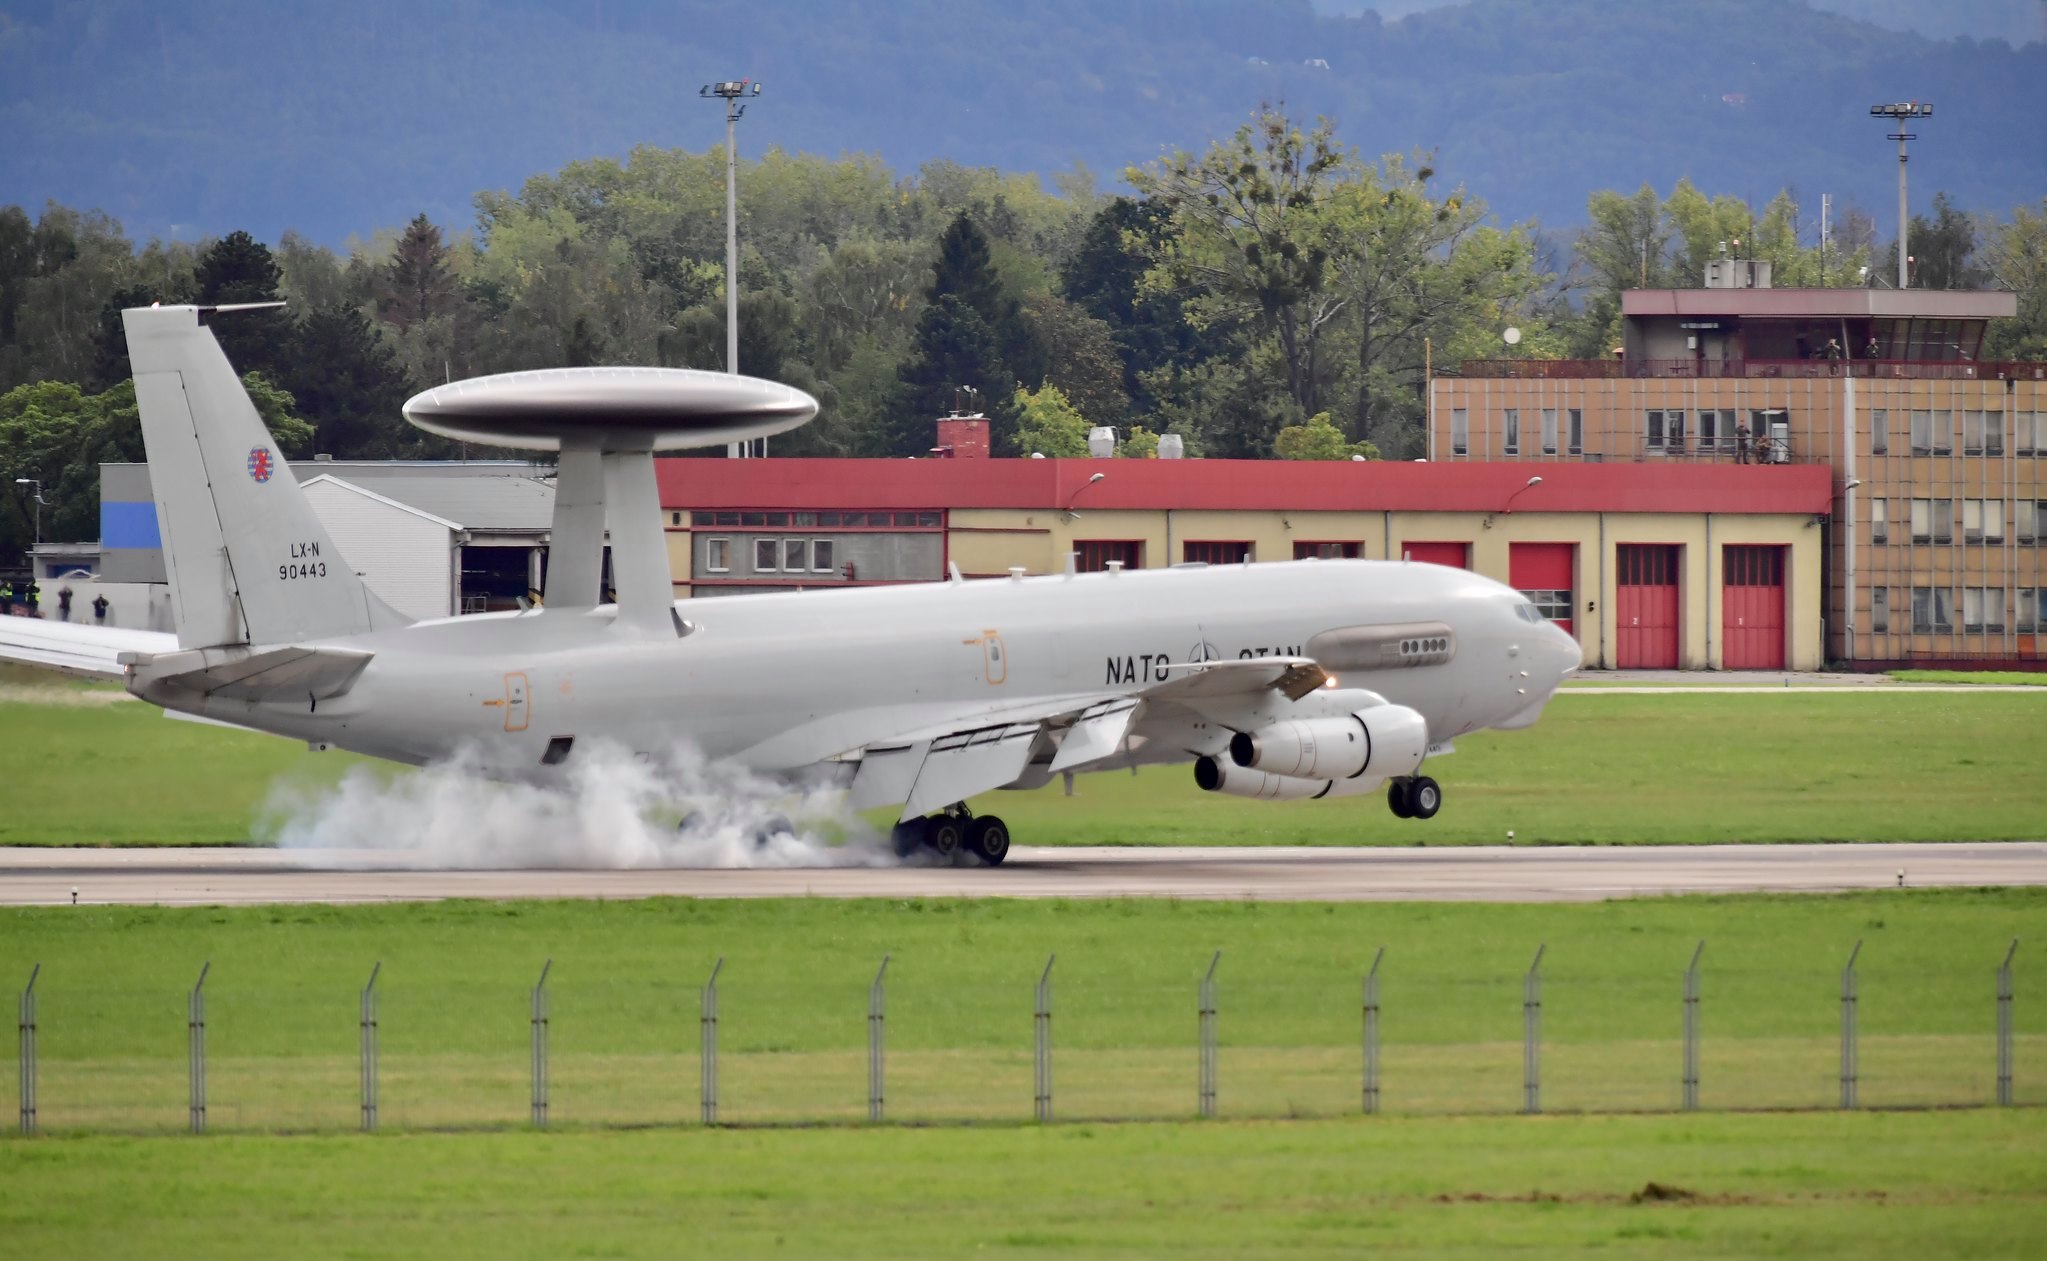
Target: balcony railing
column 1619, row 369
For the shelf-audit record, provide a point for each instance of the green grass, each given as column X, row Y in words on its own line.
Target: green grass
column 1871, row 1185
column 1705, row 767
column 282, row 1003
column 2020, row 678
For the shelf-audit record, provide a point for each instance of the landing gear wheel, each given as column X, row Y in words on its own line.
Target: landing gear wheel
column 906, row 837
column 988, row 839
column 771, row 827
column 1396, row 800
column 1424, row 797
column 943, row 834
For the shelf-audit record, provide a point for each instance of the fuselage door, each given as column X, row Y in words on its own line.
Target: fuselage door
column 515, row 702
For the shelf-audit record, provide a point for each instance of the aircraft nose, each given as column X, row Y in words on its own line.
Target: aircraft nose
column 1561, row 653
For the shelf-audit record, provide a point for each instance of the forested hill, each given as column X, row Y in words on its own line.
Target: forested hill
column 191, row 118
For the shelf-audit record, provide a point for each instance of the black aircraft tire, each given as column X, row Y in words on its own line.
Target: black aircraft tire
column 1425, row 797
column 943, row 834
column 1396, row 800
column 988, row 839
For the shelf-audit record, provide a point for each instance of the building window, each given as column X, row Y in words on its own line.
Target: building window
column 675, row 518
column 703, row 518
column 2029, row 432
column 1549, row 431
column 1577, row 422
column 718, row 556
column 1652, row 431
column 1982, row 608
column 1554, row 605
column 1328, row 551
column 1709, row 429
column 793, row 552
column 2030, row 601
column 1933, row 609
column 764, row 554
column 1216, row 553
column 1510, row 425
column 1095, row 554
column 1879, row 436
column 1879, row 520
column 1982, row 432
column 1460, row 431
column 1983, row 520
column 823, row 556
column 1933, row 521
column 2024, row 515
column 1880, row 610
column 1933, row 433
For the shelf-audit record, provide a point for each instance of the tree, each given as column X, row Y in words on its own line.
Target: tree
column 1943, row 249
column 1081, row 357
column 953, row 350
column 1252, row 242
column 417, row 284
column 2015, row 255
column 1104, row 278
column 1319, row 439
column 348, row 384
column 1048, row 425
column 238, row 268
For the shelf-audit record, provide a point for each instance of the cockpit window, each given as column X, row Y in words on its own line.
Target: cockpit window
column 1527, row 613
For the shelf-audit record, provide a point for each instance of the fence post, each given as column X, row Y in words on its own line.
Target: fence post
column 708, row 1064
column 1531, row 1035
column 1372, row 1034
column 1041, row 1064
column 27, row 1053
column 195, row 1044
column 876, row 1042
column 1849, row 997
column 540, row 1021
column 2004, row 996
column 1691, row 1075
column 1208, row 1020
column 369, row 1048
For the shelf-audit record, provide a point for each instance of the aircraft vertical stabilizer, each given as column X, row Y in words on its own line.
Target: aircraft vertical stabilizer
column 248, row 561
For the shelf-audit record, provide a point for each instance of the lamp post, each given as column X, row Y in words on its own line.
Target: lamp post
column 734, row 93
column 1898, row 113
column 40, row 501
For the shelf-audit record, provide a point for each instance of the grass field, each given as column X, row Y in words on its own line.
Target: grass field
column 1871, row 1185
column 1602, row 769
column 282, row 1002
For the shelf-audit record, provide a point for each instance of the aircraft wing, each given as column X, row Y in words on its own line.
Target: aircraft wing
column 984, row 749
column 89, row 651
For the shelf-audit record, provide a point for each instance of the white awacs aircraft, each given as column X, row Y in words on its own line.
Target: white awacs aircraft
column 1323, row 678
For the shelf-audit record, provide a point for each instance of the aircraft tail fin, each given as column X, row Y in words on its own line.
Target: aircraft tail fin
column 248, row 561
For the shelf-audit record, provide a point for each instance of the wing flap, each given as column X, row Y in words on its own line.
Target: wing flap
column 959, row 766
column 1097, row 734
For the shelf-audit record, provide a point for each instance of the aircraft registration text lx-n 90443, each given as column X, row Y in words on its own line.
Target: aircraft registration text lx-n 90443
column 1319, row 678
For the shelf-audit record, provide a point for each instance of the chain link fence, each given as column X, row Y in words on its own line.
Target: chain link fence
column 899, row 1039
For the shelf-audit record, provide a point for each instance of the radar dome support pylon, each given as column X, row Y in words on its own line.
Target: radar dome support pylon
column 607, row 423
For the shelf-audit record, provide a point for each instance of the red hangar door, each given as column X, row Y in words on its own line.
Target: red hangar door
column 1752, row 608
column 1645, row 607
column 1455, row 555
column 1544, row 573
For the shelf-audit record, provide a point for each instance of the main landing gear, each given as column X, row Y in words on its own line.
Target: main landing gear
column 1417, row 797
column 951, row 830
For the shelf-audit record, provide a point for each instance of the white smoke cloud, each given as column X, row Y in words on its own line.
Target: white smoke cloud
column 611, row 809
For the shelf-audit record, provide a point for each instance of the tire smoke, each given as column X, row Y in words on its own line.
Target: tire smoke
column 607, row 808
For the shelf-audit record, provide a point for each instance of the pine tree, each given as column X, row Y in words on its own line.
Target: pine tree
column 239, row 268
column 417, row 283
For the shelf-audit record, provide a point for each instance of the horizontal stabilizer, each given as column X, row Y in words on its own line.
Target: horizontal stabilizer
column 272, row 674
column 89, row 651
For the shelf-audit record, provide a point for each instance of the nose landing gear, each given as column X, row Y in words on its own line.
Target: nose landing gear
column 1417, row 797
column 985, row 836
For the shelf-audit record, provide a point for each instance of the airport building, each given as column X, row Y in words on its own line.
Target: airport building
column 1935, row 523
column 1672, row 566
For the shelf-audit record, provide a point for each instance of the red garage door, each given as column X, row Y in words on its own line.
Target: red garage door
column 1543, row 572
column 1645, row 607
column 1752, row 608
column 1455, row 555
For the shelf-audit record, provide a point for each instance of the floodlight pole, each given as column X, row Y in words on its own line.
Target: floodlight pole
column 1899, row 112
column 733, row 92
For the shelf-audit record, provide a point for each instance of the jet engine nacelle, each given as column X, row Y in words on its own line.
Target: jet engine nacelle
column 1215, row 775
column 1380, row 743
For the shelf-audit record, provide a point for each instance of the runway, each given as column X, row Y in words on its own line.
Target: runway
column 226, row 877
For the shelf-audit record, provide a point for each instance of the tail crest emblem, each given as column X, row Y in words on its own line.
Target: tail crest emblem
column 261, row 465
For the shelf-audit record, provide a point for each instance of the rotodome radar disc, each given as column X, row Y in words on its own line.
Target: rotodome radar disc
column 620, row 409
